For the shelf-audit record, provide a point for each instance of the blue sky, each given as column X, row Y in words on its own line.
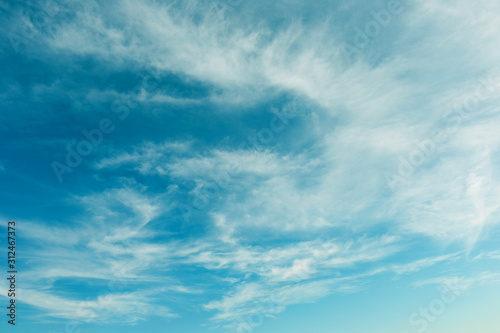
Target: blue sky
column 247, row 166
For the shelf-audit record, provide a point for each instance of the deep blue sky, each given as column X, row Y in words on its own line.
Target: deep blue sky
column 247, row 166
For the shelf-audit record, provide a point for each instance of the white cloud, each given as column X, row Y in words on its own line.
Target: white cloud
column 463, row 283
column 368, row 114
column 495, row 255
column 422, row 263
column 144, row 157
column 106, row 308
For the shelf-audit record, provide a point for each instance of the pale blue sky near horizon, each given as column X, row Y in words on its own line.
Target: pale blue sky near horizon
column 251, row 166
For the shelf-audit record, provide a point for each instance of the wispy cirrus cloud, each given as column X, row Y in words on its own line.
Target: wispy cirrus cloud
column 307, row 214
